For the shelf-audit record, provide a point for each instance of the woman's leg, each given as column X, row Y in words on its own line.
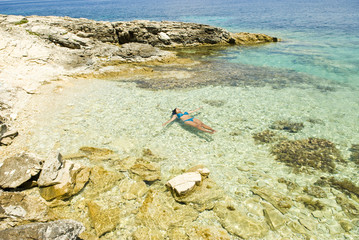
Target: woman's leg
column 198, row 126
column 199, row 122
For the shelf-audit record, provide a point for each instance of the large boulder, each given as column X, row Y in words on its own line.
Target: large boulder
column 16, row 170
column 56, row 230
column 72, row 178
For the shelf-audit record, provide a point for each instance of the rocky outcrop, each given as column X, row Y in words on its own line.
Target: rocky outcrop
column 17, row 170
column 57, row 230
column 16, row 207
column 79, row 33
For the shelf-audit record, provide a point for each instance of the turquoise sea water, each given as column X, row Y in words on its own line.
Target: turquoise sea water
column 320, row 38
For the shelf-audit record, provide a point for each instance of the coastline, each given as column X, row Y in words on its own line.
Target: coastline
column 122, row 177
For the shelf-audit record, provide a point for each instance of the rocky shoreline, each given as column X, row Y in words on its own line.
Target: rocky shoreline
column 110, row 197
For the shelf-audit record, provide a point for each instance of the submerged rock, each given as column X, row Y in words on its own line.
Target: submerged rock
column 17, row 170
column 103, row 220
column 160, row 211
column 237, row 223
column 57, row 230
column 101, row 180
column 279, row 201
column 355, row 153
column 146, row 170
column 312, row 152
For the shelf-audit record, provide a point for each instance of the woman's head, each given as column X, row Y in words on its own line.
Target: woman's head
column 175, row 111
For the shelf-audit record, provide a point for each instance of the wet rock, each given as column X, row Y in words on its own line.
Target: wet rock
column 312, row 152
column 184, row 183
column 16, row 207
column 237, row 223
column 147, row 233
column 72, row 178
column 252, row 38
column 288, row 126
column 345, row 186
column 50, row 171
column 315, row 191
column 197, row 231
column 56, row 230
column 279, row 201
column 354, row 153
column 204, row 197
column 346, row 225
column 274, row 218
column 146, row 170
column 350, row 207
column 101, row 180
column 97, row 154
column 290, row 185
column 16, row 170
column 296, row 227
column 103, row 220
column 310, row 203
column 160, row 211
column 131, row 189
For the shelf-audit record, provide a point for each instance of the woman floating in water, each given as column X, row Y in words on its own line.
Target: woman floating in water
column 187, row 119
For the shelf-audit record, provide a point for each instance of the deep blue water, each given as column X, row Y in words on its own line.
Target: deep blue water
column 320, row 37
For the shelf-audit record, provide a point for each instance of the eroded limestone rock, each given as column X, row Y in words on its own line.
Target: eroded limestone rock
column 16, row 207
column 16, row 170
column 184, row 183
column 279, row 201
column 56, row 230
column 50, row 171
column 73, row 178
column 160, row 211
column 103, row 220
column 204, row 197
column 237, row 223
column 101, row 180
column 146, row 170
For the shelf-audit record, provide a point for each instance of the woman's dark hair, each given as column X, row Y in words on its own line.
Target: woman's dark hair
column 174, row 111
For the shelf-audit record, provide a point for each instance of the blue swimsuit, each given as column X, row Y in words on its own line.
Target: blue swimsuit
column 179, row 115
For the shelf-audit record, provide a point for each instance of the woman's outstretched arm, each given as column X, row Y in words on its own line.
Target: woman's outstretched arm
column 171, row 120
column 195, row 110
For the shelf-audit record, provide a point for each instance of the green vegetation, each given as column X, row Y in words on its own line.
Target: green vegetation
column 312, row 152
column 22, row 21
column 32, row 33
